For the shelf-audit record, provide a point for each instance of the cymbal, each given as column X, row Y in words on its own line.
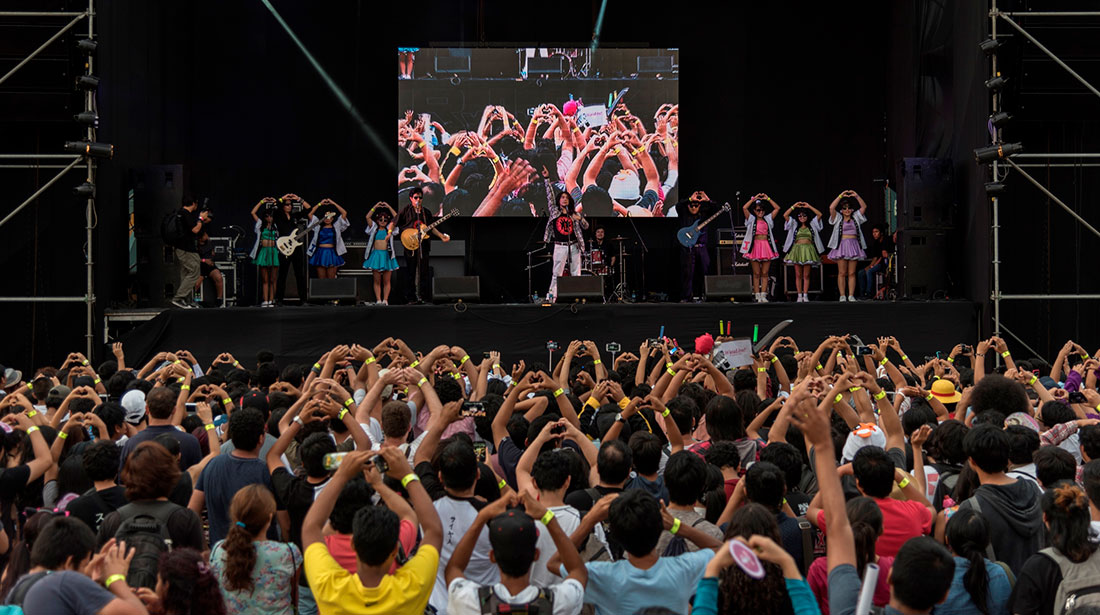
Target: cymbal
column 619, row 238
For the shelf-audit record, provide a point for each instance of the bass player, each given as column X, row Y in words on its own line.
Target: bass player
column 413, row 216
column 694, row 261
column 291, row 216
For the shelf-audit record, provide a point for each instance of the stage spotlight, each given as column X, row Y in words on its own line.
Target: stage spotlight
column 87, row 45
column 1000, row 118
column 87, row 118
column 87, row 190
column 87, row 82
column 994, row 187
column 989, row 46
column 993, row 152
column 90, row 148
column 996, row 83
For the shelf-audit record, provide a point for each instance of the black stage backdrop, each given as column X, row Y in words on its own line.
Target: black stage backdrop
column 797, row 99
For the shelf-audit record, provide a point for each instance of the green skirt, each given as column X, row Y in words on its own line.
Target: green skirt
column 267, row 257
column 802, row 254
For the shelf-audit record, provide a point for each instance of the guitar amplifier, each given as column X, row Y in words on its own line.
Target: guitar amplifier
column 334, row 289
column 731, row 236
column 223, row 248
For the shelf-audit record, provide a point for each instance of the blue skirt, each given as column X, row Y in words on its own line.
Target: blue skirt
column 380, row 260
column 326, row 257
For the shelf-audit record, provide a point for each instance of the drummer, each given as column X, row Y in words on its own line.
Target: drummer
column 600, row 253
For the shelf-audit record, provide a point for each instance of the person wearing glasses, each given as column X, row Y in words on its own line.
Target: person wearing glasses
column 415, row 216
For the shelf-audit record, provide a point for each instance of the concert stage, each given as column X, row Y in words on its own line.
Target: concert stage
column 302, row 334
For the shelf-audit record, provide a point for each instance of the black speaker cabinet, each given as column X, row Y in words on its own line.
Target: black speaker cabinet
column 719, row 287
column 922, row 262
column 927, row 199
column 574, row 287
column 334, row 289
column 454, row 289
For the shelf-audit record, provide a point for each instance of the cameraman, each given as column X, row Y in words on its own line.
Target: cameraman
column 291, row 216
column 191, row 222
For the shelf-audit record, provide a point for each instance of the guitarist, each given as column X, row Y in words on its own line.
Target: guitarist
column 414, row 216
column 695, row 261
column 288, row 219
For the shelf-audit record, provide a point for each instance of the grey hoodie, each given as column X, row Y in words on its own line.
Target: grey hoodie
column 1015, row 521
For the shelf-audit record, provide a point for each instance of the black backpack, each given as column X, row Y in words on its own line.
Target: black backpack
column 543, row 604
column 678, row 545
column 144, row 528
column 171, row 227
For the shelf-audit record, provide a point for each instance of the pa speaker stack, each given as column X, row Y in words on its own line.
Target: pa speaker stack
column 926, row 216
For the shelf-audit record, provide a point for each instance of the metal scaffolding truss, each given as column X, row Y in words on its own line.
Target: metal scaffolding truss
column 72, row 160
column 1016, row 161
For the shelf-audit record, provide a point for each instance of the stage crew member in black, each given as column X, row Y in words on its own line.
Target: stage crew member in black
column 413, row 216
column 695, row 260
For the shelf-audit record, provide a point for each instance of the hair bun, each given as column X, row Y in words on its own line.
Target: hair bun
column 1069, row 497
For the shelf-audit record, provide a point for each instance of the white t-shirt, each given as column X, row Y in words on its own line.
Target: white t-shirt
column 463, row 596
column 457, row 516
column 409, row 448
column 568, row 519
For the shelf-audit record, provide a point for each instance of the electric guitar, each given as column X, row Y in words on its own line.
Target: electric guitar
column 412, row 237
column 287, row 245
column 689, row 235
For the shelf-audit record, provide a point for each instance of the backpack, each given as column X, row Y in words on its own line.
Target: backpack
column 19, row 591
column 171, row 227
column 144, row 528
column 543, row 604
column 678, row 545
column 594, row 551
column 1079, row 582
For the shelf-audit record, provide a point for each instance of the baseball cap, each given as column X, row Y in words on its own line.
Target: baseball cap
column 57, row 395
column 257, row 400
column 134, row 404
column 513, row 535
column 864, row 434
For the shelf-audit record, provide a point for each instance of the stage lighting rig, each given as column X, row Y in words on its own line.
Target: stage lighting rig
column 989, row 46
column 996, row 84
column 1000, row 118
column 90, row 148
column 87, row 45
column 989, row 153
column 87, row 82
column 87, row 118
column 994, row 188
column 86, row 190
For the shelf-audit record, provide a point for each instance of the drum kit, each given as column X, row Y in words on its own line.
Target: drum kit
column 595, row 261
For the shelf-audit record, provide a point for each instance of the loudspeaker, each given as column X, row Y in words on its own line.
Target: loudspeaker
column 156, row 191
column 718, row 287
column 334, row 289
column 575, row 287
column 927, row 199
column 922, row 263
column 454, row 289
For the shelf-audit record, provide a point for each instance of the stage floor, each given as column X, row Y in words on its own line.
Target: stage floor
column 302, row 334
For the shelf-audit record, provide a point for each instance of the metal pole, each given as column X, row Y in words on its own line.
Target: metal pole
column 40, row 13
column 42, row 299
column 1065, row 165
column 38, row 192
column 50, row 40
column 38, row 166
column 1024, row 344
column 1060, row 155
column 996, row 202
column 1048, row 13
column 89, row 303
column 1050, row 53
column 1052, row 197
column 1051, row 297
column 22, row 156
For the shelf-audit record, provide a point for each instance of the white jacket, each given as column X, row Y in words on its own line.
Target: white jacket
column 750, row 233
column 340, row 225
column 791, row 227
column 837, row 220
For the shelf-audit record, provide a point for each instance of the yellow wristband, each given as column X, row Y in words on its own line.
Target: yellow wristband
column 455, row 150
column 185, row 387
column 675, row 526
column 904, row 483
column 112, row 579
column 496, row 365
column 761, row 369
column 1005, row 354
column 904, row 357
column 464, row 359
column 623, row 403
column 456, row 376
column 85, row 362
column 558, row 393
column 820, row 368
column 342, row 414
column 209, row 426
column 950, row 359
column 884, row 361
column 666, row 412
column 32, row 413
column 32, row 429
column 671, row 372
column 548, row 517
column 880, row 395
column 668, row 363
column 854, row 389
column 97, row 381
column 597, row 362
column 410, row 477
column 227, row 401
column 495, row 159
column 1085, row 357
column 592, row 402
column 422, row 380
column 423, row 145
column 176, row 362
column 502, row 484
column 63, row 434
column 929, row 397
column 317, row 366
column 415, row 363
column 30, row 386
column 236, row 363
column 839, row 396
column 369, row 361
column 775, row 359
column 1032, row 381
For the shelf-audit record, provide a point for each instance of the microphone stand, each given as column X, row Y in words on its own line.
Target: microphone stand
column 641, row 242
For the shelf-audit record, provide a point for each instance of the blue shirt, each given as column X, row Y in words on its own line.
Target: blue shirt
column 959, row 601
column 619, row 587
column 221, row 479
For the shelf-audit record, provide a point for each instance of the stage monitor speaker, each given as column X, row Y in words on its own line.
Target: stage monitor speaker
column 718, row 287
column 922, row 264
column 537, row 65
column 574, row 287
column 927, row 199
column 334, row 289
column 455, row 289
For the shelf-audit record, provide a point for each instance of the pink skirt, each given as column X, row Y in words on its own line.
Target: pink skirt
column 761, row 251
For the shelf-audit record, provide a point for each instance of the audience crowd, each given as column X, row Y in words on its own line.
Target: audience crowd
column 836, row 479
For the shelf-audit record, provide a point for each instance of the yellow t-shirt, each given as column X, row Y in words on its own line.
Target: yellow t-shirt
column 338, row 591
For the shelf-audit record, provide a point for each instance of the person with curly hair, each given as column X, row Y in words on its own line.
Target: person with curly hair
column 186, row 585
